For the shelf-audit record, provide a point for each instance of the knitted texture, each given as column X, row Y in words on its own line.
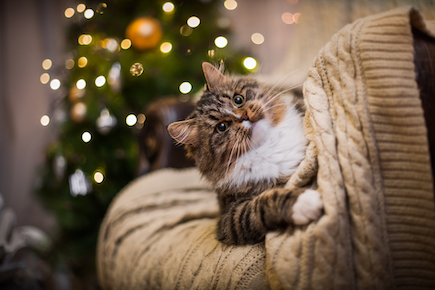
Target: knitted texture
column 369, row 155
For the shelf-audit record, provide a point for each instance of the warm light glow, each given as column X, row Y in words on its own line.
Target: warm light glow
column 221, row 41
column 230, row 4
column 86, row 136
column 193, row 21
column 45, row 120
column 166, row 47
column 45, row 78
column 296, row 17
column 136, row 69
column 55, row 84
column 185, row 87
column 81, row 84
column 131, row 120
column 69, row 63
column 98, row 177
column 81, row 8
column 257, row 38
column 69, row 12
column 168, row 7
column 287, row 17
column 111, row 44
column 46, row 64
column 82, row 62
column 126, row 43
column 250, row 63
column 100, row 81
column 89, row 13
column 85, row 39
column 186, row 30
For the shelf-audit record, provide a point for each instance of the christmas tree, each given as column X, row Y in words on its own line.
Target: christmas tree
column 121, row 55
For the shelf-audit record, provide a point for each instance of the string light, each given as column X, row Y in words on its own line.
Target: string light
column 98, row 176
column 45, row 78
column 46, row 64
column 250, row 63
column 69, row 12
column 257, row 38
column 136, row 69
column 82, row 62
column 166, row 47
column 221, row 41
column 131, row 120
column 230, row 4
column 100, row 81
column 81, row 84
column 126, row 43
column 185, row 87
column 55, row 84
column 168, row 7
column 193, row 21
column 86, row 136
column 287, row 17
column 89, row 13
column 81, row 8
column 45, row 120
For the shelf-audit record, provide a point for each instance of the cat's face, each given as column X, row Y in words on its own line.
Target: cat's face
column 231, row 118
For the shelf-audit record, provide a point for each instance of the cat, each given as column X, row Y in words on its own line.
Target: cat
column 247, row 140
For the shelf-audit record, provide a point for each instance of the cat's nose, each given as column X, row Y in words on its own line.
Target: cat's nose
column 244, row 117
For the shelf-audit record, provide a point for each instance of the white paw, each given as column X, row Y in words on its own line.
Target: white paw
column 308, row 207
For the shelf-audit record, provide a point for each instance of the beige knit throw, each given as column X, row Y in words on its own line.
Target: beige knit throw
column 368, row 150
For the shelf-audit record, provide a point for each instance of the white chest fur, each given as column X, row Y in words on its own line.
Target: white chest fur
column 277, row 151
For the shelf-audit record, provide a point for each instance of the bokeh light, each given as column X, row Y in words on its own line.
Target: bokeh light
column 55, row 84
column 250, row 63
column 257, row 38
column 69, row 12
column 168, row 7
column 81, row 84
column 221, row 41
column 296, row 17
column 81, row 7
column 166, row 47
column 100, row 81
column 85, row 39
column 86, row 136
column 131, row 120
column 136, row 69
column 69, row 63
column 230, row 4
column 44, row 78
column 126, row 43
column 89, row 13
column 98, row 176
column 193, row 21
column 287, row 17
column 46, row 64
column 185, row 87
column 82, row 62
column 45, row 120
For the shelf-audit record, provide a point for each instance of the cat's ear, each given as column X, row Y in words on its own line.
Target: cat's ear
column 184, row 132
column 213, row 76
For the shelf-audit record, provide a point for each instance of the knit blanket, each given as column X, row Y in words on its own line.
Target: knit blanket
column 368, row 151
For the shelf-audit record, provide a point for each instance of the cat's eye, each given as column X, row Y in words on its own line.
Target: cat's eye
column 222, row 127
column 238, row 100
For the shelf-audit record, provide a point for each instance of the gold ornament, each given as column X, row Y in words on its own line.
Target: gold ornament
column 136, row 69
column 144, row 33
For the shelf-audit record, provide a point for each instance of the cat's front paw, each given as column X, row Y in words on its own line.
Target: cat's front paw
column 308, row 207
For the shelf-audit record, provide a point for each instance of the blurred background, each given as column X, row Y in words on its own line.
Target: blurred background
column 76, row 79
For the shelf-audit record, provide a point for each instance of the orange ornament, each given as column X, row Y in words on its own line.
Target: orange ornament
column 144, row 33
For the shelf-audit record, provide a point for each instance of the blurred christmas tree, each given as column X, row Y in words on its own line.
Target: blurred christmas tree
column 122, row 55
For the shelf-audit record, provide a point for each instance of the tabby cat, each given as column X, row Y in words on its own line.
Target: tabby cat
column 247, row 140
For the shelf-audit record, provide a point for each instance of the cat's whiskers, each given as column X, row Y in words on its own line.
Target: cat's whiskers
column 269, row 108
column 278, row 82
column 231, row 154
column 273, row 97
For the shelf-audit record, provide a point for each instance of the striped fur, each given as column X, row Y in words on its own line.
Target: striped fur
column 252, row 200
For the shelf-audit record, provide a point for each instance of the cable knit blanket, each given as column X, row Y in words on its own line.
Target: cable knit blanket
column 368, row 150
